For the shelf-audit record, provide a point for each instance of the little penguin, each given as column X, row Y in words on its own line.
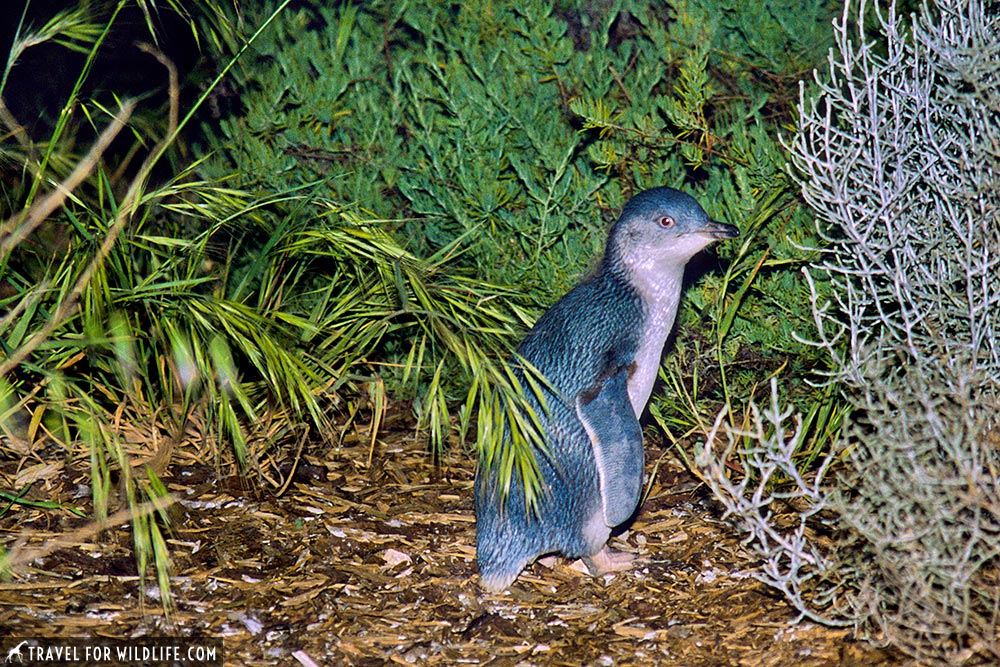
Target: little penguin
column 599, row 350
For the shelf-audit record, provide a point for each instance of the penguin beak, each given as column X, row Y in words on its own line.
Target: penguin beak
column 719, row 230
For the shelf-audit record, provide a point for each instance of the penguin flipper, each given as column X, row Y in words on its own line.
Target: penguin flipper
column 616, row 438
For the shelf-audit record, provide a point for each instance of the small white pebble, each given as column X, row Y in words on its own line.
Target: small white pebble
column 252, row 625
column 304, row 659
column 393, row 557
column 707, row 576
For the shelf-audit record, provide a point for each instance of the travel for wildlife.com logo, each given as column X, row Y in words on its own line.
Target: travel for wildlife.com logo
column 143, row 652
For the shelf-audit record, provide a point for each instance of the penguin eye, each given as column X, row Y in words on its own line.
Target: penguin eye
column 666, row 222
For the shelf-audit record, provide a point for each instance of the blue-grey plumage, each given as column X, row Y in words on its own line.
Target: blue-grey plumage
column 599, row 348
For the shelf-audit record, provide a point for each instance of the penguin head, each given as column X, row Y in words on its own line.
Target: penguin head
column 661, row 229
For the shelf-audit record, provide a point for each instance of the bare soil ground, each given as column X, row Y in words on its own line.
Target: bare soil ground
column 375, row 565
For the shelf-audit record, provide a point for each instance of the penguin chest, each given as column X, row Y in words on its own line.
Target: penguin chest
column 659, row 290
column 647, row 362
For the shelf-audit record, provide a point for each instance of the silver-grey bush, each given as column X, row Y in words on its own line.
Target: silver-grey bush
column 898, row 154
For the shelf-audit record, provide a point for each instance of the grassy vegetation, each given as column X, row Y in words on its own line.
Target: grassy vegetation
column 120, row 334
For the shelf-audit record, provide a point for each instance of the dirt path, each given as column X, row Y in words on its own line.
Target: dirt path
column 357, row 566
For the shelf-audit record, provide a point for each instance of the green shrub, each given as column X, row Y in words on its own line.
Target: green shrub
column 512, row 133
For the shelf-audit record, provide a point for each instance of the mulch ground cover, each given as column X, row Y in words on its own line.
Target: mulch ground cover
column 358, row 564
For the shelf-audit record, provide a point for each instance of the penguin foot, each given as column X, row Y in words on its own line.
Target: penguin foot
column 608, row 560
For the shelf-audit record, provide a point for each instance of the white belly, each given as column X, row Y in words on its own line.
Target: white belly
column 660, row 292
column 647, row 361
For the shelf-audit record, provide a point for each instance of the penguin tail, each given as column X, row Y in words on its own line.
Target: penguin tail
column 499, row 565
column 497, row 577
